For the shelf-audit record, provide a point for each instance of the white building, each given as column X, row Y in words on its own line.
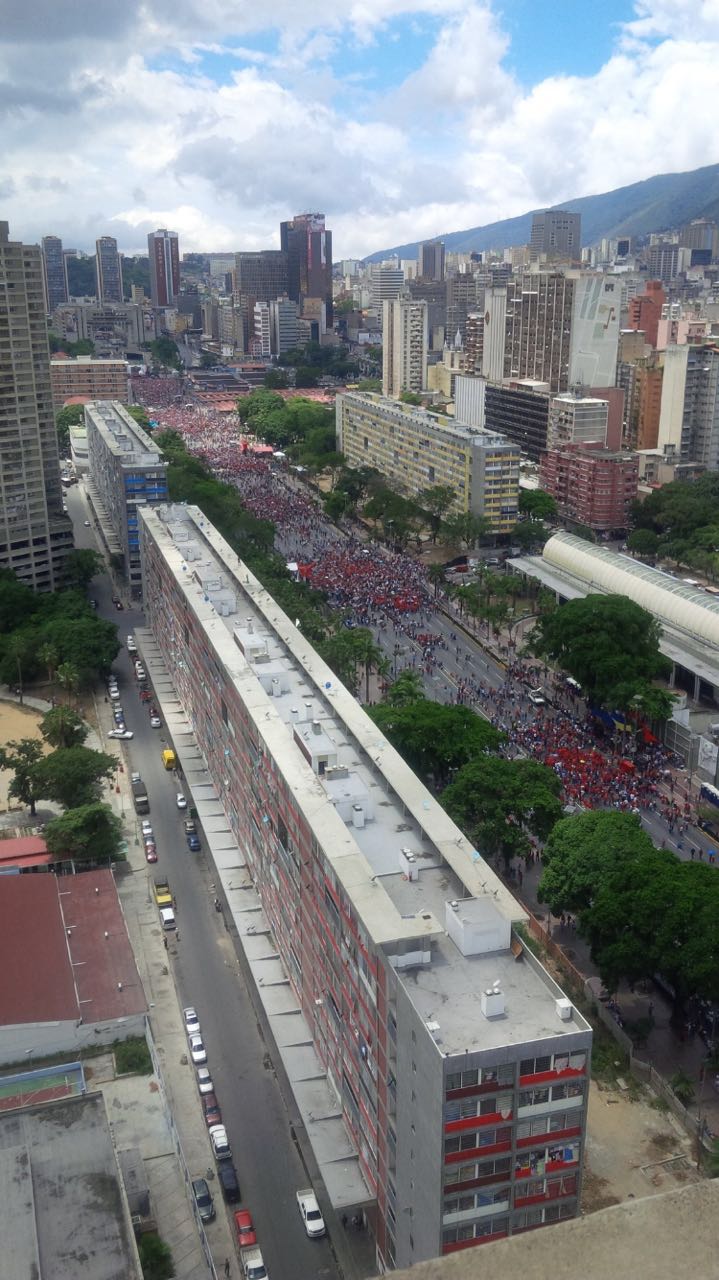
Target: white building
column 576, row 420
column 263, row 340
column 284, row 325
column 404, row 346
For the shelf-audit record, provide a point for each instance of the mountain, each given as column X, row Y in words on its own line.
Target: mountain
column 657, row 204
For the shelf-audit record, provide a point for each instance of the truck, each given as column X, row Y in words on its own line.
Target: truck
column 310, row 1213
column 253, row 1267
column 161, row 888
column 139, row 795
column 169, row 759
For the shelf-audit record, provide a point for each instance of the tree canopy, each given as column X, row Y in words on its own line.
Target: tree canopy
column 165, row 351
column 608, row 643
column 502, row 803
column 537, row 504
column 72, row 776
column 435, row 739
column 71, row 416
column 22, row 758
column 88, row 832
column 463, row 529
column 80, row 567
column 63, row 727
column 60, row 625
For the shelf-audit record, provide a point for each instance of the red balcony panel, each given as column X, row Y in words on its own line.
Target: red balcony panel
column 457, row 1245
column 474, row 1090
column 543, row 1139
column 476, row 1153
column 475, row 1122
column 551, row 1077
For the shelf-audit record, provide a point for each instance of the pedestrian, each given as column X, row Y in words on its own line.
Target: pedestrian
column 227, row 1266
column 164, row 943
column 177, row 936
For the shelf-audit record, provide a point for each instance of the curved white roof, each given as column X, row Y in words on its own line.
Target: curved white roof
column 669, row 599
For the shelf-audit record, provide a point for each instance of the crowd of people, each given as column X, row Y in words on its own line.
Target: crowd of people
column 389, row 592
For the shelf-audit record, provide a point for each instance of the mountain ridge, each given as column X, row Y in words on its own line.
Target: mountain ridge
column 655, row 204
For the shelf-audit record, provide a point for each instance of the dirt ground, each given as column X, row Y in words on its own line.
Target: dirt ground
column 633, row 1150
column 15, row 722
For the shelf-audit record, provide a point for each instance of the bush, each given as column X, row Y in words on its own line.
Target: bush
column 132, row 1057
column 156, row 1258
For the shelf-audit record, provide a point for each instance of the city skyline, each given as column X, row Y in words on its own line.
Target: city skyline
column 374, row 116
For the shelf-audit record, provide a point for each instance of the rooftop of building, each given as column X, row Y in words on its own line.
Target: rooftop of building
column 661, row 1237
column 24, row 851
column 123, row 437
column 63, row 1215
column 82, row 962
column 423, row 894
column 425, row 420
column 64, row 361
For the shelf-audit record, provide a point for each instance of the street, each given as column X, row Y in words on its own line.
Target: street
column 207, row 976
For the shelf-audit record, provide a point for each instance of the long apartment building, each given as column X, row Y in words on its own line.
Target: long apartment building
column 125, row 472
column 86, row 376
column 458, row 1066
column 415, row 450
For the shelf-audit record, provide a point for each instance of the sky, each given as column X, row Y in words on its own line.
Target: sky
column 399, row 119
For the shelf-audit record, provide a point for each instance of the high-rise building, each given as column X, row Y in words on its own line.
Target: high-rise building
column 284, row 325
column 404, row 346
column 108, row 269
column 434, row 294
column 576, row 420
column 164, row 250
column 35, row 536
column 457, row 1067
column 556, row 233
column 663, row 260
column 689, row 418
column 594, row 486
column 262, row 341
column 54, row 273
column 463, row 297
column 261, row 276
column 89, row 377
column 645, row 310
column 521, row 412
column 308, row 245
column 386, row 283
column 126, row 471
column 431, row 260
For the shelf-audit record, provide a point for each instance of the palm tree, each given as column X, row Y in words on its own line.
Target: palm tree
column 48, row 655
column 435, row 573
column 68, row 677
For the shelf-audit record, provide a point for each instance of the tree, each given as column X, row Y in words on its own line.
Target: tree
column 370, row 384
column 276, row 380
column 436, row 502
column 87, row 644
column 463, row 529
column 208, row 360
column 408, row 688
column 410, row 397
column 434, row 739
column 500, row 803
column 71, row 416
column 63, row 727
column 537, row 504
column 140, row 415
column 165, row 352
column 583, row 851
column 48, row 655
column 90, row 831
column 336, row 504
column 306, row 377
column 68, row 677
column 155, row 1257
column 16, row 601
column 643, row 542
column 346, row 650
column 22, row 758
column 80, row 567
column 72, row 776
column 607, row 643
column 529, row 533
column 437, row 576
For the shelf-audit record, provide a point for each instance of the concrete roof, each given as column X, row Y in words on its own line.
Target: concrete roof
column 62, row 1212
column 82, row 962
column 663, row 1237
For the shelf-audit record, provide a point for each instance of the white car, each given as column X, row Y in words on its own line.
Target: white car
column 113, row 692
column 131, row 646
column 537, row 697
column 155, row 722
column 124, row 734
column 204, row 1080
column 192, row 1022
column 180, row 801
column 198, row 1052
column 140, row 672
column 220, row 1142
column 167, row 918
column 87, row 524
column 146, row 827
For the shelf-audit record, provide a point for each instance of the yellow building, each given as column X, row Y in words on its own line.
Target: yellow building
column 85, row 376
column 415, row 450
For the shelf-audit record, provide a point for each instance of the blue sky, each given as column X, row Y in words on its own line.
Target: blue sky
column 399, row 119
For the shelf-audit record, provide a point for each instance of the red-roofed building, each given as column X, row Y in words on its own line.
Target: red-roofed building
column 26, row 853
column 69, row 974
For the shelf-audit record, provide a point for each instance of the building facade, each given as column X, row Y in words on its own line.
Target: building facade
column 458, row 1066
column 386, row 283
column 594, row 487
column 54, row 273
column 261, row 276
column 556, row 233
column 284, row 325
column 404, row 346
column 89, row 377
column 262, row 342
column 576, row 420
column 519, row 411
column 116, row 330
column 163, row 248
column 414, row 449
column 125, row 473
column 645, row 310
column 431, row 260
column 308, row 245
column 108, row 270
column 35, row 536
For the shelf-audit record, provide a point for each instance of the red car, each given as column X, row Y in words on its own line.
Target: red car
column 245, row 1228
column 150, row 855
column 211, row 1108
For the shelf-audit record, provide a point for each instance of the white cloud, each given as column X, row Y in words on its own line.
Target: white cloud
column 97, row 138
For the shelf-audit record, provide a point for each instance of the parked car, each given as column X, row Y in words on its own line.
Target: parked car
column 150, row 854
column 146, row 825
column 181, row 801
column 125, row 734
column 155, row 722
column 245, row 1228
column 167, row 919
column 150, row 847
column 140, row 673
column 193, row 844
column 190, row 826
column 211, row 1107
column 228, row 1180
column 118, row 714
column 198, row 1052
column 192, row 1022
column 220, row 1142
column 86, row 524
column 204, row 1080
column 203, row 1200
